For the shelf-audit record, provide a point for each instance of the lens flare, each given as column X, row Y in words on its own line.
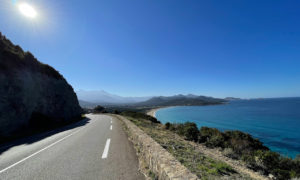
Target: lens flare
column 27, row 10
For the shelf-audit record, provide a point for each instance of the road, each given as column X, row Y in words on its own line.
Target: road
column 97, row 148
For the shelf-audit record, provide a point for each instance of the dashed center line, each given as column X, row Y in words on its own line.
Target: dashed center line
column 105, row 152
column 110, row 127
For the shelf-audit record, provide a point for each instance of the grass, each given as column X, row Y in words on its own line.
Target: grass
column 204, row 167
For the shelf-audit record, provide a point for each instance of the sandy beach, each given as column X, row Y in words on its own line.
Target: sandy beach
column 152, row 112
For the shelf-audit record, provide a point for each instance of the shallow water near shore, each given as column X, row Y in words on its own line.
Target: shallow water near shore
column 276, row 122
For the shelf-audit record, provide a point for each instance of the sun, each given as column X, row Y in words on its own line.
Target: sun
column 27, row 10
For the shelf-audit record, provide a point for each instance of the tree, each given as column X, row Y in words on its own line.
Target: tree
column 99, row 109
column 116, row 112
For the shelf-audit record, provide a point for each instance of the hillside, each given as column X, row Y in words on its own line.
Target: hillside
column 181, row 100
column 32, row 94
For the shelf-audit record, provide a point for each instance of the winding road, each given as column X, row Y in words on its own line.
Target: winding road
column 95, row 148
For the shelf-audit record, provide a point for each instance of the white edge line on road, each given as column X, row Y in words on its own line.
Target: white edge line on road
column 30, row 156
column 105, row 152
column 110, row 127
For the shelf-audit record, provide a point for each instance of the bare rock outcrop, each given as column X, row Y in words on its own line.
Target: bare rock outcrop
column 31, row 93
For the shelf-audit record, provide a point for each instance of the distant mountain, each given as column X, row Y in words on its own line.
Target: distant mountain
column 181, row 100
column 232, row 98
column 90, row 99
column 103, row 97
column 85, row 104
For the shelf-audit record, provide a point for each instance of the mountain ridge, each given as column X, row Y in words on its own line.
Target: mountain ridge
column 181, row 100
column 175, row 100
column 103, row 97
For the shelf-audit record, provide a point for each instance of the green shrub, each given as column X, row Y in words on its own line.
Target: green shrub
column 116, row 112
column 272, row 163
column 212, row 137
column 206, row 133
column 242, row 143
column 296, row 168
column 286, row 163
column 239, row 142
column 167, row 125
column 99, row 109
column 297, row 158
column 228, row 152
column 281, row 174
column 250, row 161
column 190, row 131
column 223, row 168
column 139, row 115
column 269, row 159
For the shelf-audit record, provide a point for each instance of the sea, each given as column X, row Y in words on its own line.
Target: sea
column 274, row 121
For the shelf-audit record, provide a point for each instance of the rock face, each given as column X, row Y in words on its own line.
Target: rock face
column 31, row 93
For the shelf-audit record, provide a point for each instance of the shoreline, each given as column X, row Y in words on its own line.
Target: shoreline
column 282, row 150
column 152, row 112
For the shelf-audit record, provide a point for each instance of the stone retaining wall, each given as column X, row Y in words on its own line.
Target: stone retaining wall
column 158, row 160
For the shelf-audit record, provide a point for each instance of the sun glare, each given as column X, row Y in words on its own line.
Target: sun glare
column 27, row 10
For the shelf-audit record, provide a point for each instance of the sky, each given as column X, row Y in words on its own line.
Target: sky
column 247, row 49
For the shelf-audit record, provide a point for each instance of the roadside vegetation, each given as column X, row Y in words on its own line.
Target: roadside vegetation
column 241, row 146
column 235, row 145
column 139, row 115
column 127, row 112
column 197, row 162
column 99, row 109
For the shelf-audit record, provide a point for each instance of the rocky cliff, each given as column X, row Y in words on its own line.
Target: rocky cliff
column 32, row 94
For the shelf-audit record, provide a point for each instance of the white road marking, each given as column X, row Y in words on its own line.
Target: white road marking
column 105, row 152
column 110, row 127
column 47, row 147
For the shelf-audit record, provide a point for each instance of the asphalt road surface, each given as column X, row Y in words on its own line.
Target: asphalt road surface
column 97, row 148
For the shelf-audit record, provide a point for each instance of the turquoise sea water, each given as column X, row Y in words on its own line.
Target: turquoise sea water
column 276, row 122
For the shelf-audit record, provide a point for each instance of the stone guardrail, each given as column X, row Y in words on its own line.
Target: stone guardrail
column 159, row 161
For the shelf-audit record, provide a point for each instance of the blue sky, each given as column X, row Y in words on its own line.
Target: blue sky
column 165, row 47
